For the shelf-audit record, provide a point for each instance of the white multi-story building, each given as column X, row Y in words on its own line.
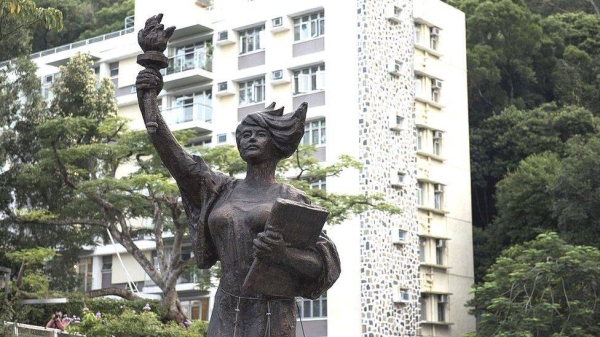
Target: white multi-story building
column 385, row 82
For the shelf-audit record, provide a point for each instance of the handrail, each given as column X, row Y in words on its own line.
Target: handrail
column 188, row 113
column 78, row 44
column 192, row 60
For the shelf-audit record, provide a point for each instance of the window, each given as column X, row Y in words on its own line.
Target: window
column 107, row 262
column 418, row 33
column 195, row 106
column 441, row 307
column 434, row 36
column 222, row 138
column 309, row 26
column 420, row 138
column 430, row 141
column 421, row 193
column 196, row 309
column 422, row 244
column 312, row 308
column 437, row 143
column 438, row 196
column 314, row 132
column 418, row 85
column 439, row 255
column 309, row 79
column 114, row 73
column 251, row 39
column 85, row 274
column 190, row 56
column 252, row 91
column 319, row 185
column 423, row 304
column 436, row 87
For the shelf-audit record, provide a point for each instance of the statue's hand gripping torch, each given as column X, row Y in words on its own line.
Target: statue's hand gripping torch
column 153, row 40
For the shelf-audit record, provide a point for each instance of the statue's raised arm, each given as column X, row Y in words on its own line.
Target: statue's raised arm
column 153, row 41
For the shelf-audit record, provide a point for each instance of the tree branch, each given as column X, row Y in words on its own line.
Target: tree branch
column 123, row 293
column 64, row 222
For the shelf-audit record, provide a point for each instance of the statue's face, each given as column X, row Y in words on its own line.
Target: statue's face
column 256, row 145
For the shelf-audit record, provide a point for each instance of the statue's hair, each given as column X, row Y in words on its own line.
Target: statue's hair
column 286, row 130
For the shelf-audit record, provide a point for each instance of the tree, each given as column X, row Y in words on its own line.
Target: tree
column 504, row 40
column 17, row 18
column 502, row 141
column 83, row 19
column 104, row 177
column 109, row 18
column 545, row 287
column 547, row 192
column 21, row 108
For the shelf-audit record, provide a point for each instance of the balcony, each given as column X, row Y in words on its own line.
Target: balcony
column 194, row 116
column 187, row 69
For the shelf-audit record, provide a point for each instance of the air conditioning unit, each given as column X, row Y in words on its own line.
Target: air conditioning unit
column 280, row 76
column 440, row 243
column 280, row 24
column 438, row 188
column 393, row 13
column 400, row 295
column 399, row 236
column 276, row 75
column 436, row 84
column 437, row 134
column 443, row 299
column 434, row 31
column 396, row 123
column 204, row 3
column 395, row 67
column 398, row 178
column 225, row 37
column 225, row 89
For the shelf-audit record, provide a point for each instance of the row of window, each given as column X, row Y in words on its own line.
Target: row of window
column 427, row 35
column 427, row 254
column 306, row 80
column 428, row 88
column 430, row 194
column 306, row 27
column 430, row 141
column 314, row 134
column 434, row 307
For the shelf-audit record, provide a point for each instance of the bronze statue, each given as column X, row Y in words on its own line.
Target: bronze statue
column 227, row 216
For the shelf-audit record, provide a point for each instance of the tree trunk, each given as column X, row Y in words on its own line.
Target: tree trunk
column 172, row 306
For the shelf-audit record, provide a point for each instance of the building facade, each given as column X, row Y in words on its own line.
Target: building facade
column 385, row 82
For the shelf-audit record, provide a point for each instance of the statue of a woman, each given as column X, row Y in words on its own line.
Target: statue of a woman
column 227, row 216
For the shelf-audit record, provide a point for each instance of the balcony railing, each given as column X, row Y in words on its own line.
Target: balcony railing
column 193, row 60
column 128, row 29
column 188, row 113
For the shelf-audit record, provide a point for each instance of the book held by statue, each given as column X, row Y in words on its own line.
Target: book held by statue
column 300, row 224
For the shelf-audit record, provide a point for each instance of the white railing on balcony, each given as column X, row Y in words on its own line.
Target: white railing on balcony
column 26, row 330
column 192, row 60
column 197, row 112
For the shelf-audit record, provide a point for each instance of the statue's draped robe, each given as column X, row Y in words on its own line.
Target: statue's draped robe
column 222, row 228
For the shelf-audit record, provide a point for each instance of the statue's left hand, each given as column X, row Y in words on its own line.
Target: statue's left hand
column 154, row 36
column 269, row 245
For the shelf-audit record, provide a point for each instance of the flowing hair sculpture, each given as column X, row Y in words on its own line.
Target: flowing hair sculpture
column 286, row 130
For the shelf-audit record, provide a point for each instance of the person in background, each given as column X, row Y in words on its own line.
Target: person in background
column 57, row 322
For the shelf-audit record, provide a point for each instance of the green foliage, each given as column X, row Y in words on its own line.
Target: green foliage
column 548, row 192
column 545, row 287
column 83, row 19
column 500, row 142
column 109, row 18
column 134, row 324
